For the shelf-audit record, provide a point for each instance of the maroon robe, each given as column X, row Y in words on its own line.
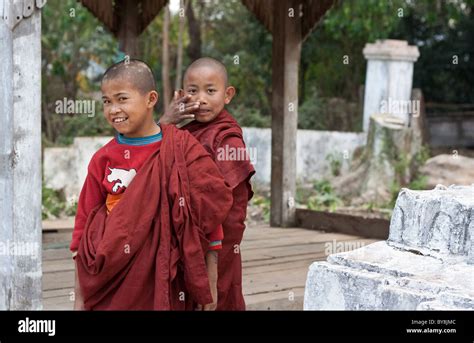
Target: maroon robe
column 148, row 253
column 225, row 133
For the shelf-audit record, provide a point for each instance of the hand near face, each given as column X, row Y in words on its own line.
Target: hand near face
column 180, row 108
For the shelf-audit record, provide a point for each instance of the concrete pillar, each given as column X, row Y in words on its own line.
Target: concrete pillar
column 20, row 155
column 6, row 158
column 389, row 79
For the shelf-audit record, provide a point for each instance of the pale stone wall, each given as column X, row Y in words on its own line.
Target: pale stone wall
column 66, row 168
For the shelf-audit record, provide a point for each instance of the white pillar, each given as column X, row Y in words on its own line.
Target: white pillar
column 389, row 79
column 6, row 149
column 20, row 155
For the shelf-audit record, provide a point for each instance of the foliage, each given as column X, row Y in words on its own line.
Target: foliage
column 250, row 117
column 54, row 204
column 422, row 156
column 325, row 198
column 335, row 162
column 264, row 204
column 76, row 49
column 75, row 46
column 341, row 36
column 444, row 32
column 311, row 114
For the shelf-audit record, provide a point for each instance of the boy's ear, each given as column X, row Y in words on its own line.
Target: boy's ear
column 153, row 98
column 229, row 94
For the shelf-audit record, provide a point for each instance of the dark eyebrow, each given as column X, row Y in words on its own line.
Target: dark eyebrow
column 208, row 85
column 120, row 93
column 115, row 95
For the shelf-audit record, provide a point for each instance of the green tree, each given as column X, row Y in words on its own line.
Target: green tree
column 444, row 32
column 72, row 41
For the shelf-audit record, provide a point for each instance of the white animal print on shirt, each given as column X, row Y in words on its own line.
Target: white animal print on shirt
column 122, row 176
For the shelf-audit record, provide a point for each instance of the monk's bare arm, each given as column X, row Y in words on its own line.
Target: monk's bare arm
column 211, row 264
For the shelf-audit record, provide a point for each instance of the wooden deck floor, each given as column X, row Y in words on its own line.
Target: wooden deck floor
column 275, row 264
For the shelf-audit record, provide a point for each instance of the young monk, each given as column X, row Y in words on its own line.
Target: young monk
column 149, row 216
column 206, row 92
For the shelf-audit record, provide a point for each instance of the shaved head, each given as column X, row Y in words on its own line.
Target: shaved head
column 209, row 62
column 137, row 72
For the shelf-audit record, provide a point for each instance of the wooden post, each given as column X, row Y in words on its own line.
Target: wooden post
column 179, row 54
column 165, row 59
column 20, row 156
column 128, row 28
column 285, row 62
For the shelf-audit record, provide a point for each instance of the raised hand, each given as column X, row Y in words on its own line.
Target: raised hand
column 179, row 109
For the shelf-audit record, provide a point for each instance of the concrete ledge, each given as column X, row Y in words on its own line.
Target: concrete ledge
column 381, row 277
column 426, row 264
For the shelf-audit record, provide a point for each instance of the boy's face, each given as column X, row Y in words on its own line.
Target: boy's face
column 126, row 109
column 206, row 85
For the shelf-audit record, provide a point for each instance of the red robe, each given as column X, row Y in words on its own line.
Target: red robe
column 225, row 133
column 148, row 253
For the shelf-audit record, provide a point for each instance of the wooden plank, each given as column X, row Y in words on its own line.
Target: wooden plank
column 266, row 234
column 54, row 266
column 63, row 237
column 258, row 260
column 56, row 254
column 303, row 233
column 58, row 280
column 286, row 53
column 55, row 293
column 267, row 238
column 283, row 266
column 343, row 223
column 291, row 299
column 279, row 260
column 288, row 241
column 65, row 224
column 268, row 230
column 293, row 250
column 253, row 284
column 270, row 253
column 58, row 304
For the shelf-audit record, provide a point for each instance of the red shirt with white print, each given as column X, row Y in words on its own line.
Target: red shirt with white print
column 110, row 171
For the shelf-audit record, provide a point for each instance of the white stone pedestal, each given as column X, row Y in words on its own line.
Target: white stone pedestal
column 389, row 79
column 426, row 264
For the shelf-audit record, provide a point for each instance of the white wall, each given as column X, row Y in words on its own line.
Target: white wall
column 66, row 168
